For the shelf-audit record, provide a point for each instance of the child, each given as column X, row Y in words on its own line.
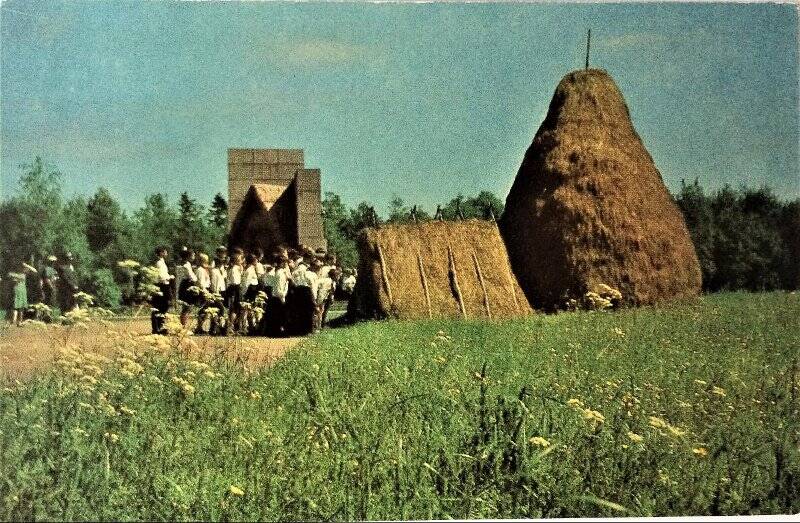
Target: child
column 325, row 290
column 277, row 282
column 218, row 274
column 160, row 301
column 20, row 291
column 251, row 289
column 204, row 284
column 234, row 286
column 186, row 279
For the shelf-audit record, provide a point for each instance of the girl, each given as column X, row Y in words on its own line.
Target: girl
column 186, row 279
column 204, row 283
column 20, row 291
column 251, row 289
column 160, row 300
column 234, row 286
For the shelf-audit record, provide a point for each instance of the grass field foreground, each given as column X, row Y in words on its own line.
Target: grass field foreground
column 684, row 410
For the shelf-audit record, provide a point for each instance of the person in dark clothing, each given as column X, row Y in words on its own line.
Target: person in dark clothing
column 50, row 282
column 67, row 284
column 160, row 301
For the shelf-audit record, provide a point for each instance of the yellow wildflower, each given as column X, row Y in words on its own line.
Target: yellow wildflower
column 236, row 491
column 539, row 442
column 575, row 402
column 700, row 452
column 636, row 438
column 127, row 410
column 658, row 423
column 593, row 416
column 701, row 382
column 111, row 436
column 719, row 391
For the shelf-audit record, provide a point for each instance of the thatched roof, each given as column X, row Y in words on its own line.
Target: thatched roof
column 436, row 269
column 588, row 206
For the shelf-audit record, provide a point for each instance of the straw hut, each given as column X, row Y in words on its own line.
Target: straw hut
column 589, row 207
column 436, row 270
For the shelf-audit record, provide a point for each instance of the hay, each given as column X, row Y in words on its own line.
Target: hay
column 434, row 270
column 589, row 207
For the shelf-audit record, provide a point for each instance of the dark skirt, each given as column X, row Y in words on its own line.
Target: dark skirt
column 275, row 318
column 251, row 293
column 233, row 297
column 301, row 311
column 190, row 298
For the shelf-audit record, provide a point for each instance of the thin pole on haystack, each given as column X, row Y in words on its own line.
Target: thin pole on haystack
column 384, row 274
column 588, row 43
column 424, row 280
column 452, row 262
column 483, row 285
column 438, row 215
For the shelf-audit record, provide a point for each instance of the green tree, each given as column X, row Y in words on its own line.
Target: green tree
column 398, row 211
column 335, row 223
column 478, row 206
column 155, row 225
column 217, row 220
column 218, row 212
column 191, row 230
column 699, row 216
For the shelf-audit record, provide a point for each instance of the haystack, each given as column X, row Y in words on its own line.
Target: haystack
column 434, row 270
column 589, row 207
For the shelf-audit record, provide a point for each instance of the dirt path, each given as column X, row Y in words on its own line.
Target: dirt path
column 26, row 349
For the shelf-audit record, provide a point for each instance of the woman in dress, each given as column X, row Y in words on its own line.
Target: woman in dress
column 20, row 304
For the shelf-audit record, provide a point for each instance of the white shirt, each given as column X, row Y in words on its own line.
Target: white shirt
column 250, row 275
column 235, row 275
column 278, row 279
column 203, row 278
column 349, row 283
column 324, row 289
column 185, row 272
column 305, row 278
column 218, row 280
column 163, row 272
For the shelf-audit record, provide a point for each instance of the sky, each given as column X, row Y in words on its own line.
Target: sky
column 422, row 101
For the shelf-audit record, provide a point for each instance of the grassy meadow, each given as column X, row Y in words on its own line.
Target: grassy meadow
column 684, row 410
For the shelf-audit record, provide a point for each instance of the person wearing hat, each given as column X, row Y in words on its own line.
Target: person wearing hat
column 67, row 283
column 20, row 304
column 50, row 281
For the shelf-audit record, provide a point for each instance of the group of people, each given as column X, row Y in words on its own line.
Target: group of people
column 288, row 293
column 54, row 283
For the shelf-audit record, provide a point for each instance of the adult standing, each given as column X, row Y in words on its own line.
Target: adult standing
column 67, row 283
column 20, row 304
column 50, row 281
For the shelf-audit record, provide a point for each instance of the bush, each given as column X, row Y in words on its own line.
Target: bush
column 103, row 287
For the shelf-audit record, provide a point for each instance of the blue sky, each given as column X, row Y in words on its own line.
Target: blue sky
column 423, row 101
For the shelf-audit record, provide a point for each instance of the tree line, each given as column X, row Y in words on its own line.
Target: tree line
column 744, row 238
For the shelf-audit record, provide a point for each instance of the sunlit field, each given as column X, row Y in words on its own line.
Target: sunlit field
column 688, row 409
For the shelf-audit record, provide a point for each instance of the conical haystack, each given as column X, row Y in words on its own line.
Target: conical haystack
column 589, row 207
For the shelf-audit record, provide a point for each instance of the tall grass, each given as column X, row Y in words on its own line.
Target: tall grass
column 689, row 409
